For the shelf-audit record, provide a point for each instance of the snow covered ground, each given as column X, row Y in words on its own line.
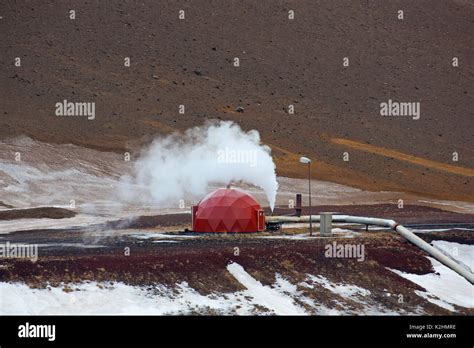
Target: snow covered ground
column 281, row 298
column 462, row 252
column 265, row 296
column 95, row 298
column 445, row 287
column 157, row 235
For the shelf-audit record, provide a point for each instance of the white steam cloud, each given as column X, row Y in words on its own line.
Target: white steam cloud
column 186, row 163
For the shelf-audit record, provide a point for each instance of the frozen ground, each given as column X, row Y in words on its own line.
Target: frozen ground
column 461, row 252
column 281, row 298
column 445, row 287
column 95, row 298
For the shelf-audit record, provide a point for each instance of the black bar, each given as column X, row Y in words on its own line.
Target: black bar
column 139, row 330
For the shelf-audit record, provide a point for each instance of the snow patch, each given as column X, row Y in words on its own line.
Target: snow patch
column 264, row 295
column 344, row 290
column 444, row 287
column 301, row 236
column 148, row 235
column 71, row 245
column 120, row 299
column 463, row 253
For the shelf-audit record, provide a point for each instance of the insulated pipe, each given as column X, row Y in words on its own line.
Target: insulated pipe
column 335, row 218
column 437, row 254
column 404, row 232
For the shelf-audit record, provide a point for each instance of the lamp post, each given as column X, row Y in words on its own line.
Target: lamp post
column 306, row 160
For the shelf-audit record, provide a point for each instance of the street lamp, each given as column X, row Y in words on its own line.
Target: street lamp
column 306, row 160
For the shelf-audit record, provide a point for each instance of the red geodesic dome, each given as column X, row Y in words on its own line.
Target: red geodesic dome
column 228, row 210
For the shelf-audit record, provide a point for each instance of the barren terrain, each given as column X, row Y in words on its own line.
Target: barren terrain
column 299, row 62
column 101, row 254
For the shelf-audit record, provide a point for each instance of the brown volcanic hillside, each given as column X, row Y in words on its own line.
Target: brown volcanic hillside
column 283, row 62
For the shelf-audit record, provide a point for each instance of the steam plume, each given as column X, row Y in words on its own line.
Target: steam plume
column 186, row 163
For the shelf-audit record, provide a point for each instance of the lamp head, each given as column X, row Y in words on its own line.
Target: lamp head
column 305, row 160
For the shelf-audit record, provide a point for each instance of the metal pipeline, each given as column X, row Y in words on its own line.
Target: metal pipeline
column 404, row 232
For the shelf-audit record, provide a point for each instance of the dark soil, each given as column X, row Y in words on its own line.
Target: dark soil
column 283, row 62
column 36, row 213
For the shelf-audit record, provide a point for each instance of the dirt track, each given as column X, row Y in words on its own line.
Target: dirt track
column 283, row 62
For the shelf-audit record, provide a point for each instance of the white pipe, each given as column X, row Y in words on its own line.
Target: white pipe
column 438, row 255
column 403, row 231
column 335, row 218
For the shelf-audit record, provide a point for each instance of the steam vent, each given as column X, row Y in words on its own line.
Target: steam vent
column 228, row 210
